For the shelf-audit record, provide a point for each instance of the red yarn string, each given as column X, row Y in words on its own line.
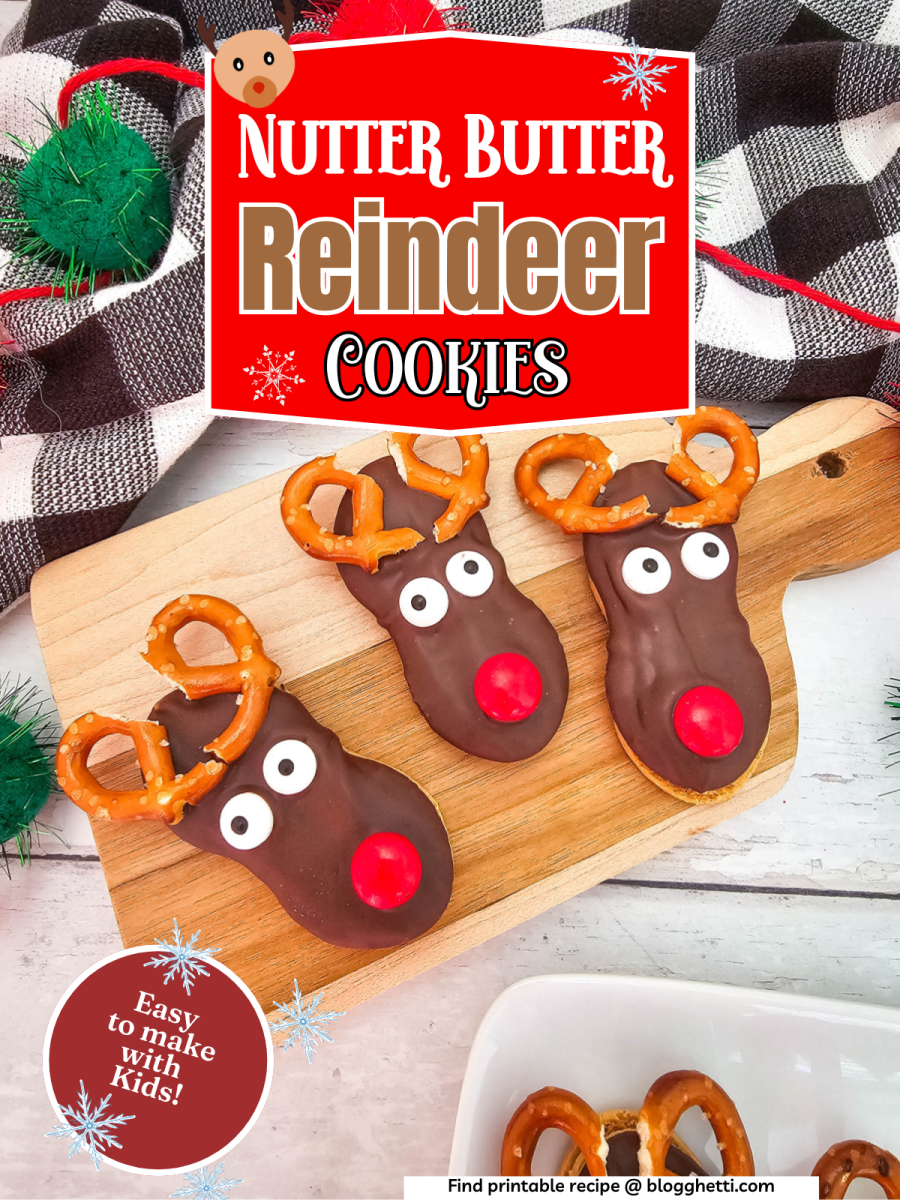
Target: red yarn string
column 47, row 293
column 123, row 66
column 794, row 285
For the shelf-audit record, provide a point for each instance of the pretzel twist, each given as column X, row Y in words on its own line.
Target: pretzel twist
column 845, row 1161
column 552, row 1108
column 368, row 543
column 717, row 503
column 166, row 793
column 577, row 514
column 253, row 675
column 465, row 491
column 668, row 1099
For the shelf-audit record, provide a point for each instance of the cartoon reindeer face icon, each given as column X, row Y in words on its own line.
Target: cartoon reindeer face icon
column 255, row 66
column 353, row 851
column 687, row 689
column 482, row 661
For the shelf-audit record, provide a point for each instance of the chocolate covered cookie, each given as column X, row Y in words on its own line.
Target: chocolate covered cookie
column 482, row 661
column 353, row 850
column 687, row 688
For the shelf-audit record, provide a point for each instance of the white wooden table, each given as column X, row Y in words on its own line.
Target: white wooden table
column 796, row 895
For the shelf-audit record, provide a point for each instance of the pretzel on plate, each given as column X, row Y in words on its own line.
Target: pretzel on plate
column 717, row 503
column 668, row 1099
column 845, row 1161
column 577, row 514
column 252, row 677
column 368, row 543
column 552, row 1108
column 465, row 491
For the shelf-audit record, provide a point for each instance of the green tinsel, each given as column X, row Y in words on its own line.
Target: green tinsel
column 893, row 701
column 26, row 771
column 91, row 199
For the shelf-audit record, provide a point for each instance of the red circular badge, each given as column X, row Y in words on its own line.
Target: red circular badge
column 186, row 1073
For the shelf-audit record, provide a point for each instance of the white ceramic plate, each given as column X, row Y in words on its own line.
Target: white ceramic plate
column 804, row 1073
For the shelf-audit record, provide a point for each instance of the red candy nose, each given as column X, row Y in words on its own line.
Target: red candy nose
column 708, row 721
column 258, row 87
column 386, row 870
column 508, row 687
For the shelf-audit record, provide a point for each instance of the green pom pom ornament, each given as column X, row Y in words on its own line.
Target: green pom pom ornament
column 91, row 199
column 26, row 771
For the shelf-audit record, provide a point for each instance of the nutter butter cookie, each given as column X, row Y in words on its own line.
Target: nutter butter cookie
column 353, row 850
column 687, row 688
column 482, row 661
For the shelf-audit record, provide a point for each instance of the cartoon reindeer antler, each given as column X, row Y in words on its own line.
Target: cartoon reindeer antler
column 207, row 34
column 286, row 19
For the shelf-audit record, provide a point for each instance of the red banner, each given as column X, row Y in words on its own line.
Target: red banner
column 452, row 232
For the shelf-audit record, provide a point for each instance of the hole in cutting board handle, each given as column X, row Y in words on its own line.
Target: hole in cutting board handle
column 831, row 464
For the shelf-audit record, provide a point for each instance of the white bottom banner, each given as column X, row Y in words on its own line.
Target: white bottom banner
column 439, row 1187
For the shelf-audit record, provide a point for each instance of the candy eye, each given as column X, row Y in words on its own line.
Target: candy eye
column 469, row 573
column 289, row 767
column 424, row 602
column 705, row 555
column 238, row 64
column 646, row 570
column 268, row 58
column 246, row 821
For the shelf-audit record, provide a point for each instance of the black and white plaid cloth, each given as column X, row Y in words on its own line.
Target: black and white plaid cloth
column 798, row 115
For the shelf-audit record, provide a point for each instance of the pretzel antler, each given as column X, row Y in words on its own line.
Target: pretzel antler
column 671, row 1096
column 552, row 1108
column 577, row 514
column 846, row 1161
column 717, row 503
column 465, row 491
column 207, row 34
column 253, row 676
column 286, row 19
column 166, row 793
column 368, row 543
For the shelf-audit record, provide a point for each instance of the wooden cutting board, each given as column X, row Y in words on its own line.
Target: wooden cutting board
column 525, row 835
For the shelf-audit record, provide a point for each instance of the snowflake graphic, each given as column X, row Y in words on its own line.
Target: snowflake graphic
column 205, row 1184
column 305, row 1023
column 88, row 1126
column 181, row 958
column 638, row 74
column 273, row 375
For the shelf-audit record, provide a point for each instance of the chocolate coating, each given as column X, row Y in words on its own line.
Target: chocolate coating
column 692, row 633
column 305, row 861
column 623, row 1157
column 441, row 661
